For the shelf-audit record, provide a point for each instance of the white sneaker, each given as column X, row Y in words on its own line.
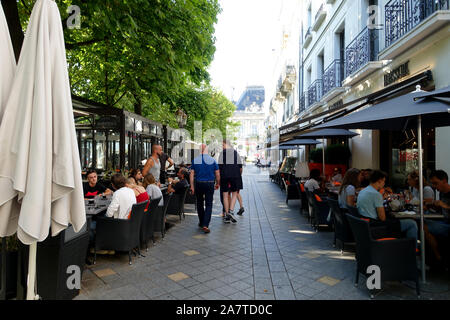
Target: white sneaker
column 232, row 217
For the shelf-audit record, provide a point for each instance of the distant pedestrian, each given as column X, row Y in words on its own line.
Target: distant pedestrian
column 204, row 179
column 230, row 165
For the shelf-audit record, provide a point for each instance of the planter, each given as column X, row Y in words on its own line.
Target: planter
column 11, row 274
column 328, row 168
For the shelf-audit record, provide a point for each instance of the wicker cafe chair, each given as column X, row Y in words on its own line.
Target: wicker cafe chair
column 321, row 211
column 148, row 223
column 176, row 205
column 160, row 215
column 396, row 258
column 304, row 207
column 342, row 230
column 120, row 234
column 292, row 189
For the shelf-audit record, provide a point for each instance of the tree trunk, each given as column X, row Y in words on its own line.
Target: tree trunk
column 15, row 29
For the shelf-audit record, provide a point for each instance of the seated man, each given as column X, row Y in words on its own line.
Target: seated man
column 122, row 200
column 314, row 182
column 434, row 228
column 370, row 205
column 178, row 187
column 92, row 188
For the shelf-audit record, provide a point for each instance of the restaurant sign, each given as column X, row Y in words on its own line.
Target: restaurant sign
column 396, row 74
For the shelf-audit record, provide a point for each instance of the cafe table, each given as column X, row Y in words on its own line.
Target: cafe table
column 416, row 215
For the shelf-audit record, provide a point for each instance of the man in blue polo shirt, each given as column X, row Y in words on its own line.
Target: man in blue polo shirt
column 206, row 172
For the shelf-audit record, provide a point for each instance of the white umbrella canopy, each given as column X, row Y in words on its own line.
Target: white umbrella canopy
column 40, row 170
column 7, row 62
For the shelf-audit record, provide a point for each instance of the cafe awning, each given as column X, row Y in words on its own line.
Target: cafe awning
column 300, row 142
column 324, row 133
column 398, row 114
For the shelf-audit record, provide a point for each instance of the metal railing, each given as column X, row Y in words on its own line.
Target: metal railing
column 332, row 77
column 315, row 92
column 401, row 16
column 363, row 49
column 302, row 106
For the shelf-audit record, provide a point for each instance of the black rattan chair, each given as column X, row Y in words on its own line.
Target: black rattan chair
column 176, row 205
column 147, row 226
column 396, row 258
column 120, row 234
column 342, row 230
column 320, row 211
column 160, row 216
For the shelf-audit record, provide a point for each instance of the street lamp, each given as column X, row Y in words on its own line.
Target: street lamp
column 181, row 118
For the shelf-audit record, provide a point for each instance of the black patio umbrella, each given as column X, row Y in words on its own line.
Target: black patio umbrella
column 417, row 109
column 326, row 133
column 300, row 142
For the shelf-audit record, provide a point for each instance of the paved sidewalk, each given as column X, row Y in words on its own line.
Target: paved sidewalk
column 271, row 253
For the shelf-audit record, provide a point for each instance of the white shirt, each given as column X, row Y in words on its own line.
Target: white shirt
column 312, row 185
column 154, row 193
column 121, row 203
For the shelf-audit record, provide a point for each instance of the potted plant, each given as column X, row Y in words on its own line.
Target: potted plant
column 12, row 248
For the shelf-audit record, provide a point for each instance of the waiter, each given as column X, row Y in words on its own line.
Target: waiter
column 163, row 158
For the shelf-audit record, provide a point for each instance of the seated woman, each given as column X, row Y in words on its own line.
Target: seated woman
column 136, row 174
column 347, row 191
column 122, row 199
column 139, row 191
column 152, row 189
column 413, row 182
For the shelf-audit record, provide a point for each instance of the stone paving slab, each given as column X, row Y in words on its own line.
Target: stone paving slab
column 271, row 253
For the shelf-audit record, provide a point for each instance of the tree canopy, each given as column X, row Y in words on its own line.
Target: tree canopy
column 147, row 56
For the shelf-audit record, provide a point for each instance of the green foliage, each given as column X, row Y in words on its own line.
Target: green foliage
column 12, row 243
column 337, row 154
column 315, row 155
column 334, row 154
column 145, row 56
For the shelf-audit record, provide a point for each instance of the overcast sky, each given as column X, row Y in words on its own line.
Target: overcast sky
column 246, row 34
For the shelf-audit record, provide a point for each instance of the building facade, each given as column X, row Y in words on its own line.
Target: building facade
column 250, row 116
column 356, row 51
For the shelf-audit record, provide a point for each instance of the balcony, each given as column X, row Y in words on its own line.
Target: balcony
column 315, row 93
column 302, row 105
column 308, row 38
column 361, row 57
column 320, row 17
column 332, row 80
column 409, row 22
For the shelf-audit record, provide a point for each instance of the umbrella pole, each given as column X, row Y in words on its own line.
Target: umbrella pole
column 323, row 157
column 32, row 272
column 422, row 234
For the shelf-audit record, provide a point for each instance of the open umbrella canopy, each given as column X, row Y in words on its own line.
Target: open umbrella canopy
column 7, row 62
column 321, row 133
column 441, row 93
column 40, row 174
column 397, row 114
column 300, row 142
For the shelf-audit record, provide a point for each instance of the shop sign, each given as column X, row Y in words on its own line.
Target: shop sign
column 396, row 74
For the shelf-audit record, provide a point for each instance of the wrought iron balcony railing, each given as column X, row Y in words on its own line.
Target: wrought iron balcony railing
column 302, row 103
column 404, row 15
column 315, row 92
column 332, row 77
column 362, row 50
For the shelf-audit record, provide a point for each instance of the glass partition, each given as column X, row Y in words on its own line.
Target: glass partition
column 86, row 149
column 100, row 147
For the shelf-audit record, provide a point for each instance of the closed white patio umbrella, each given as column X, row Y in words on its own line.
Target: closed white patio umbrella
column 40, row 174
column 7, row 62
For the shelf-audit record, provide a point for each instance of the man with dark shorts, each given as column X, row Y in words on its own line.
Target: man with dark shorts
column 230, row 166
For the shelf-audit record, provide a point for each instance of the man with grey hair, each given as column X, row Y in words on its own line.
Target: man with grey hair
column 230, row 166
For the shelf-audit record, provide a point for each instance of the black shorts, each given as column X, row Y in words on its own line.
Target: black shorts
column 230, row 184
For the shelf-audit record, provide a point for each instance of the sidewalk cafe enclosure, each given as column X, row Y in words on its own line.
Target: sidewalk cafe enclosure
column 112, row 139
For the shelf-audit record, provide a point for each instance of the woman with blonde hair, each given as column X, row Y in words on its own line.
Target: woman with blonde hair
column 347, row 191
column 152, row 189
